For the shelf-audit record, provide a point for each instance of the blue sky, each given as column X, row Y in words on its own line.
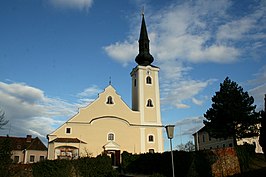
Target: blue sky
column 57, row 55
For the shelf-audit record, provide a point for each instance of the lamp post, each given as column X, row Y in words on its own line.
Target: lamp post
column 170, row 135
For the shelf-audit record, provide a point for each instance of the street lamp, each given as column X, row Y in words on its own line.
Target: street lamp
column 170, row 135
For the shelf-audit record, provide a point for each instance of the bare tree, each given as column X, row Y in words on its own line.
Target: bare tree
column 189, row 146
column 2, row 119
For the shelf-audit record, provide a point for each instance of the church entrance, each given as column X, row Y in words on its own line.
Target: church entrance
column 112, row 149
column 115, row 156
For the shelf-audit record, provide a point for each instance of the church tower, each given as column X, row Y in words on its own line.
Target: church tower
column 145, row 83
column 146, row 96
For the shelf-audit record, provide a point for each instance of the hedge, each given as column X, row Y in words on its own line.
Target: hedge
column 87, row 167
column 160, row 164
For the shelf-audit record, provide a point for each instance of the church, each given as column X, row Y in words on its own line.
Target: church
column 108, row 125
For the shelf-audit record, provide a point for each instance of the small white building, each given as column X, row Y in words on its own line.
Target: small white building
column 25, row 149
column 204, row 141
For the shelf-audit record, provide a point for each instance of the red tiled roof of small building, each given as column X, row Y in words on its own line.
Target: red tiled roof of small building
column 19, row 143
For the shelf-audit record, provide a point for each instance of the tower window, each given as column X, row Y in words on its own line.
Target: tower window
column 148, row 80
column 109, row 100
column 111, row 137
column 151, row 138
column 135, row 82
column 149, row 103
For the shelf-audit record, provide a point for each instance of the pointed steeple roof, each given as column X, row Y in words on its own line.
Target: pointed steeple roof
column 144, row 57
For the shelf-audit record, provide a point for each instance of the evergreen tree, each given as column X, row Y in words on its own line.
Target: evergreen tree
column 232, row 113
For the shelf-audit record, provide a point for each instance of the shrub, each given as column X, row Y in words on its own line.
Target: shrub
column 156, row 163
column 98, row 167
column 51, row 168
column 203, row 161
column 87, row 167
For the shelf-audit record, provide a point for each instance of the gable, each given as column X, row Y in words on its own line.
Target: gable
column 108, row 104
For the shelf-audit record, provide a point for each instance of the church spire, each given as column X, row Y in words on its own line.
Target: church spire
column 144, row 57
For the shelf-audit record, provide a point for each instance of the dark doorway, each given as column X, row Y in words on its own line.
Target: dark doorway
column 115, row 156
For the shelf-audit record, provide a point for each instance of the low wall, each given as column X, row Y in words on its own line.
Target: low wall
column 226, row 163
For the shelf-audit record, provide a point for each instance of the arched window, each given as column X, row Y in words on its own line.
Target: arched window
column 109, row 100
column 151, row 139
column 149, row 103
column 148, row 80
column 111, row 137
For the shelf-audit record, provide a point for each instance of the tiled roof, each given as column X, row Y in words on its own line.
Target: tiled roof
column 19, row 143
column 68, row 140
column 37, row 145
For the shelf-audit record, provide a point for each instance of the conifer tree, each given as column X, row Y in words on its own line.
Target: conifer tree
column 232, row 113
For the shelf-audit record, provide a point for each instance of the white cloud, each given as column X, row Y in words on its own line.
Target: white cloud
column 22, row 92
column 190, row 32
column 88, row 95
column 175, row 93
column 72, row 4
column 29, row 111
column 122, row 52
column 235, row 30
column 258, row 89
column 182, row 31
column 197, row 102
column 188, row 125
column 90, row 91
